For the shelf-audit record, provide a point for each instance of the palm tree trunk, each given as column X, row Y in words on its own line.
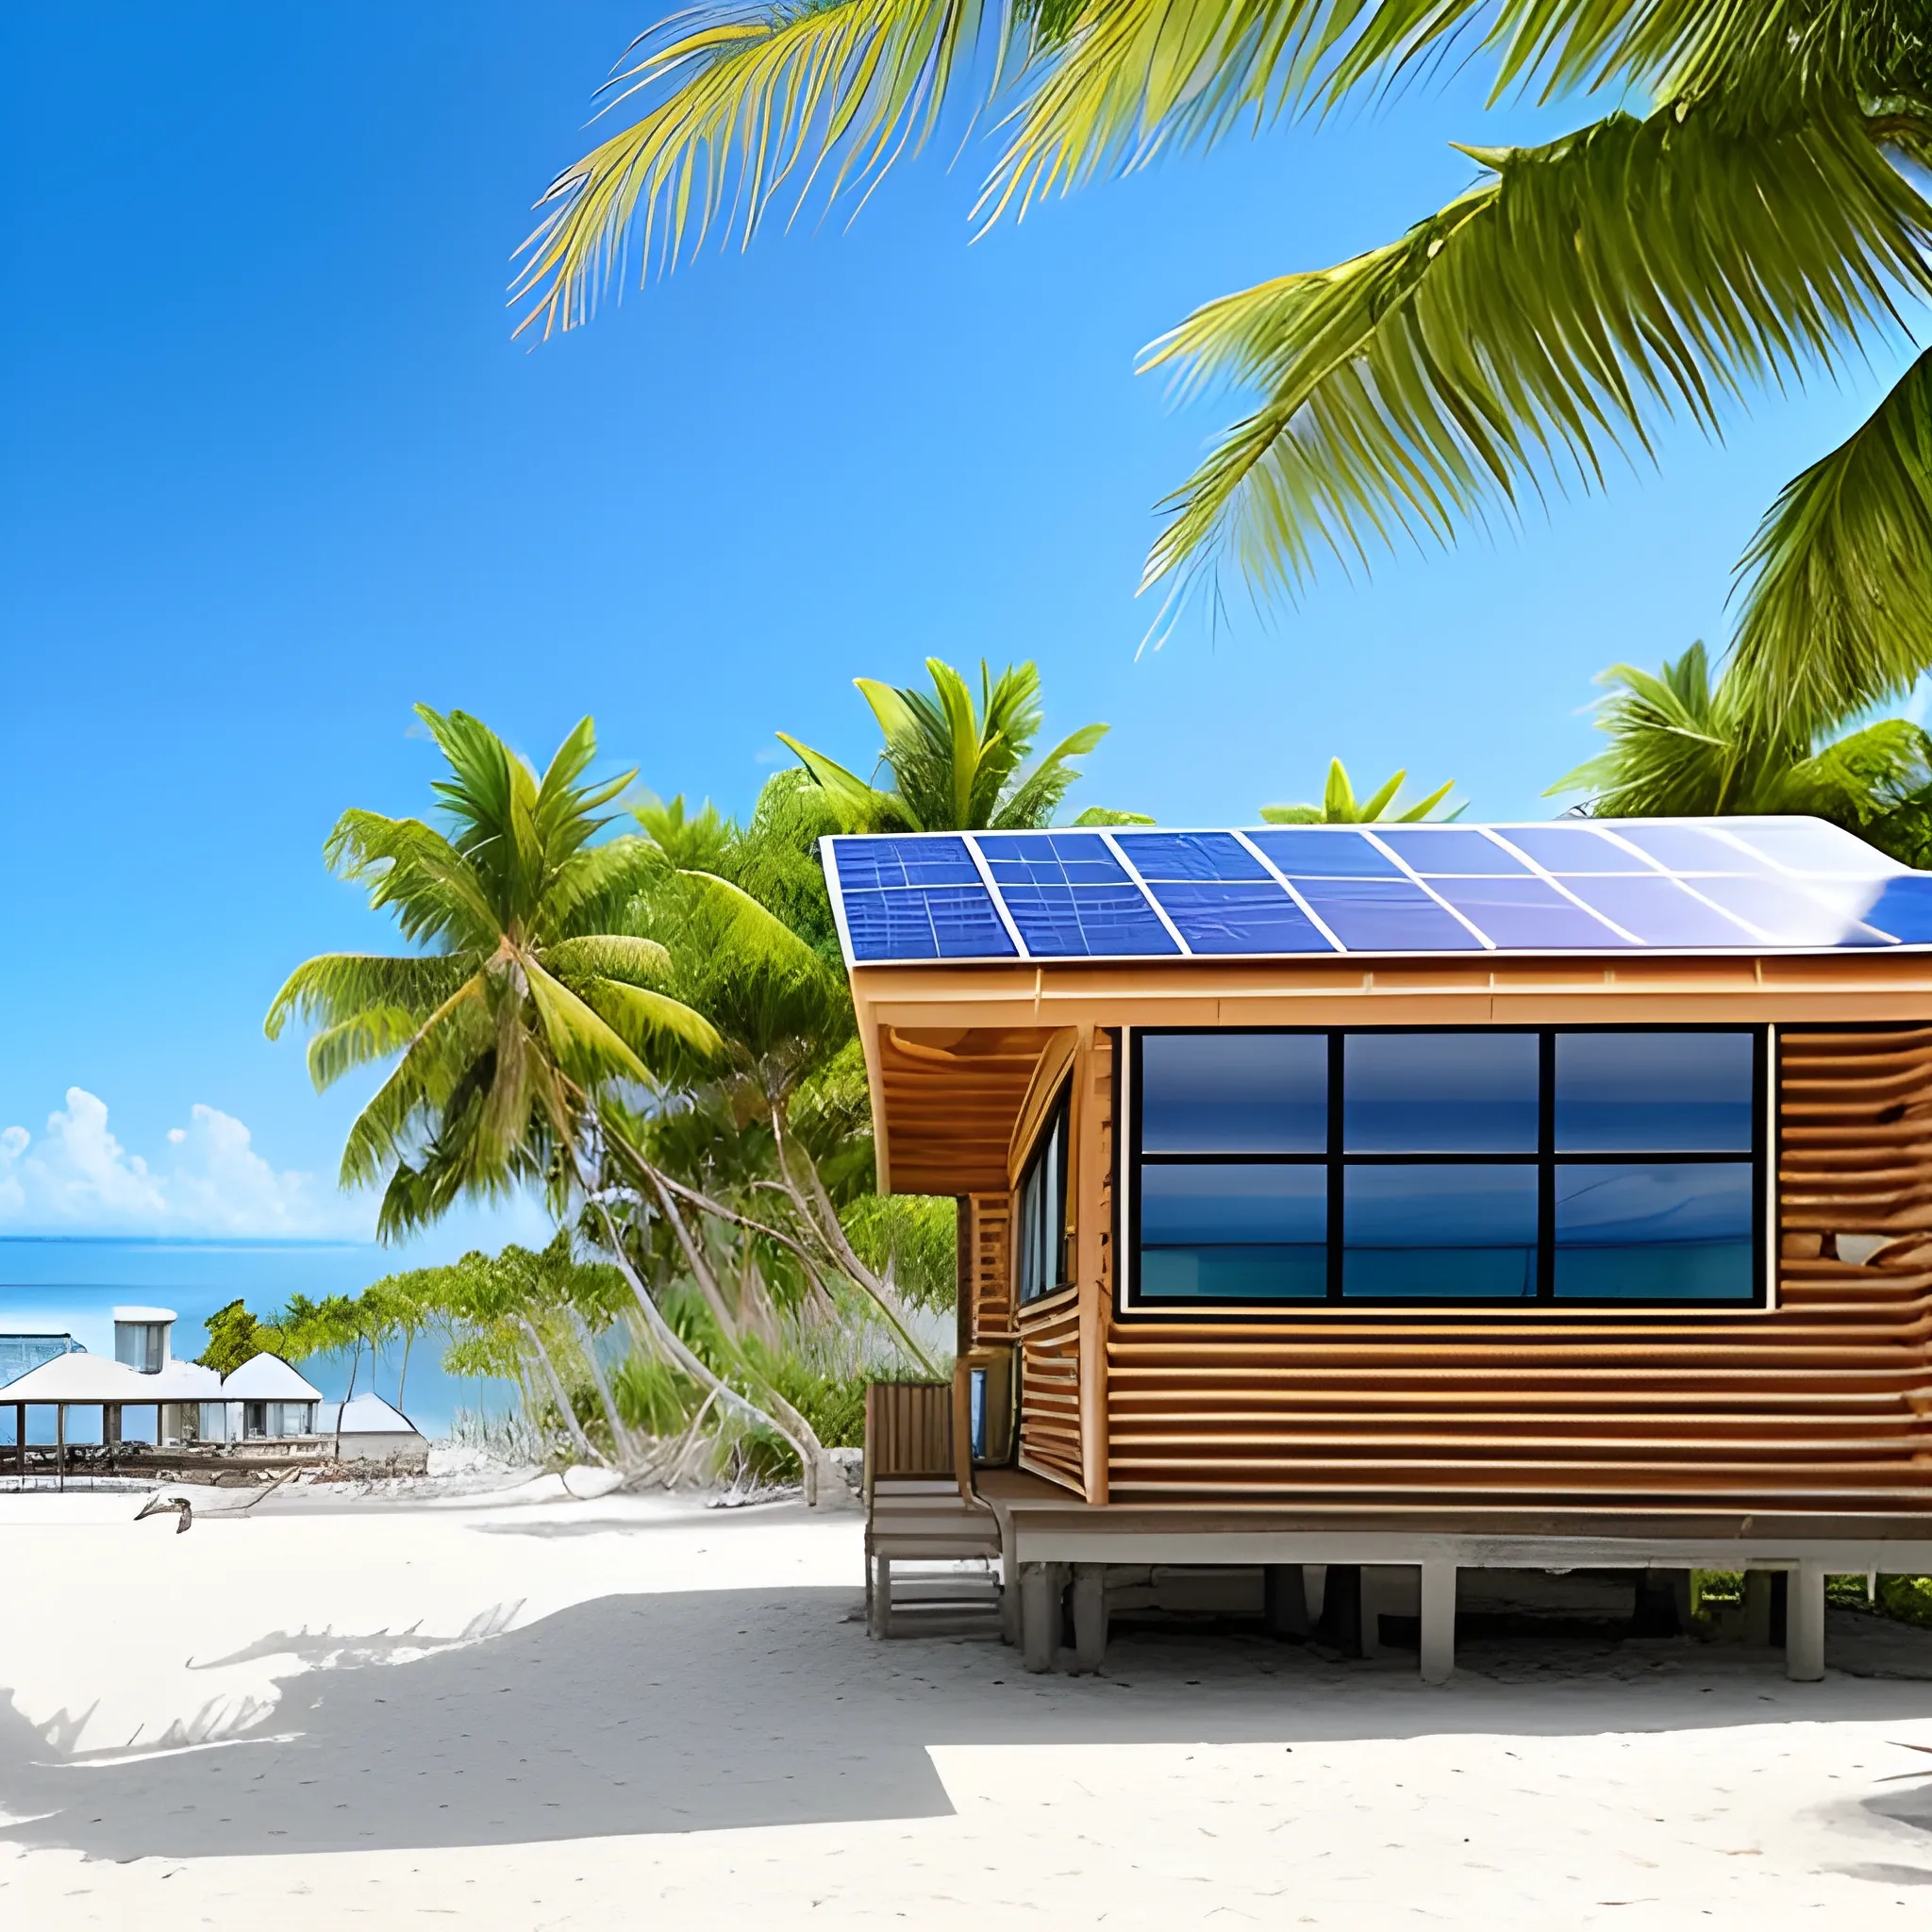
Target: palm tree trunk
column 402, row 1380
column 354, row 1362
column 825, row 1223
column 591, row 1453
column 620, row 1436
column 777, row 1415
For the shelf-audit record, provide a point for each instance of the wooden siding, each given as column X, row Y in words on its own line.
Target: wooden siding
column 991, row 1267
column 1824, row 1403
column 950, row 1098
column 1050, row 1390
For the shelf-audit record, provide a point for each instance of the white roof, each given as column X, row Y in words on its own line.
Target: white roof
column 145, row 1315
column 82, row 1377
column 364, row 1415
column 267, row 1378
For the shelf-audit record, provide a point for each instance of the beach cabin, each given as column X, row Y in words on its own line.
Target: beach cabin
column 372, row 1430
column 264, row 1401
column 1387, row 1205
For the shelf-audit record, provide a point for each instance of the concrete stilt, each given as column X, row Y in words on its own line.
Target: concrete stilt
column 1009, row 1592
column 1437, row 1621
column 1805, row 1623
column 1040, row 1588
column 1757, row 1595
column 1285, row 1601
column 1090, row 1615
column 880, row 1604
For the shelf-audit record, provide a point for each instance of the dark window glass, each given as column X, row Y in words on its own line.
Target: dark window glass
column 1668, row 1231
column 1615, row 1166
column 1440, row 1093
column 1440, row 1231
column 1662, row 1093
column 1238, row 1231
column 1042, row 1261
column 1234, row 1093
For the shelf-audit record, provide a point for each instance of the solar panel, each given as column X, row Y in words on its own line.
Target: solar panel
column 1452, row 850
column 1602, row 886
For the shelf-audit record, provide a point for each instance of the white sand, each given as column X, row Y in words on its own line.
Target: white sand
column 536, row 1773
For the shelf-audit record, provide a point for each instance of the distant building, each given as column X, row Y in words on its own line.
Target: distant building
column 20, row 1353
column 264, row 1401
column 373, row 1431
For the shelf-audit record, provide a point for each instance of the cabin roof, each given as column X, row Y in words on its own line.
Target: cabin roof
column 267, row 1378
column 80, row 1377
column 1592, row 887
column 364, row 1415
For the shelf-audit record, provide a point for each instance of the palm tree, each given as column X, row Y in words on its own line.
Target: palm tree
column 1339, row 806
column 955, row 762
column 520, row 1019
column 1684, row 747
column 1755, row 222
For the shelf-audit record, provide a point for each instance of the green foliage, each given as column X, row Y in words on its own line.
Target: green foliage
column 1907, row 1598
column 1339, row 807
column 913, row 1238
column 1684, row 745
column 234, row 1336
column 519, row 1010
column 955, row 761
column 1754, row 221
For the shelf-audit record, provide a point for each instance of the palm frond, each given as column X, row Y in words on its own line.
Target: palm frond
column 337, row 988
column 859, row 807
column 434, row 889
column 608, row 955
column 1038, row 795
column 579, row 1039
column 747, row 98
column 1838, row 581
column 1548, row 319
column 371, row 1035
column 646, row 1019
column 442, row 1048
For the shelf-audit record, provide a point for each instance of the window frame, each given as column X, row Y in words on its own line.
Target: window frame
column 1057, row 1122
column 1546, row 1160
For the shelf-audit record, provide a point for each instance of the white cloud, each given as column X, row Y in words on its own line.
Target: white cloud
column 78, row 1177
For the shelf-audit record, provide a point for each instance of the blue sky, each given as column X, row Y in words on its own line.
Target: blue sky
column 275, row 470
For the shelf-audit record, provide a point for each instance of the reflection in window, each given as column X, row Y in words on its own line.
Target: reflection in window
column 1235, row 1093
column 1669, row 1231
column 1676, row 1092
column 1040, row 1238
column 1486, row 1164
column 1471, row 1093
column 1236, row 1231
column 1439, row 1232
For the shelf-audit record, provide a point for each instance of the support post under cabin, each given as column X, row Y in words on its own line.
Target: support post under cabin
column 1090, row 1615
column 1437, row 1621
column 1805, row 1623
column 1040, row 1589
column 1285, row 1602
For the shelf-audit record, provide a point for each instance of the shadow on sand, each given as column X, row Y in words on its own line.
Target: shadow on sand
column 687, row 1713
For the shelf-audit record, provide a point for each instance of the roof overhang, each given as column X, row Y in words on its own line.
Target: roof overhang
column 952, row 1049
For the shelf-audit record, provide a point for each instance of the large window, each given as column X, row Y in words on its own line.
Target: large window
column 1609, row 1165
column 1041, row 1243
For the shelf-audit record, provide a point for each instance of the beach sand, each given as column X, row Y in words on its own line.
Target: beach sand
column 527, row 1711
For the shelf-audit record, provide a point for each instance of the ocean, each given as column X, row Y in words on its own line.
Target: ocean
column 72, row 1285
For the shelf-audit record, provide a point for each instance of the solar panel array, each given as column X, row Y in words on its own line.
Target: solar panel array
column 1573, row 886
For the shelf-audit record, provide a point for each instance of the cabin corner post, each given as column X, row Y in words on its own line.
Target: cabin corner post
column 1094, row 1106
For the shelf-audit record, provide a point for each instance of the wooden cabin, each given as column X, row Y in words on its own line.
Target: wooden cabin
column 1415, row 1200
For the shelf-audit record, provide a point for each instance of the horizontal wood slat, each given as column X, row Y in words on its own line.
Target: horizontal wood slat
column 1825, row 1402
column 990, row 1256
column 1050, row 1392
